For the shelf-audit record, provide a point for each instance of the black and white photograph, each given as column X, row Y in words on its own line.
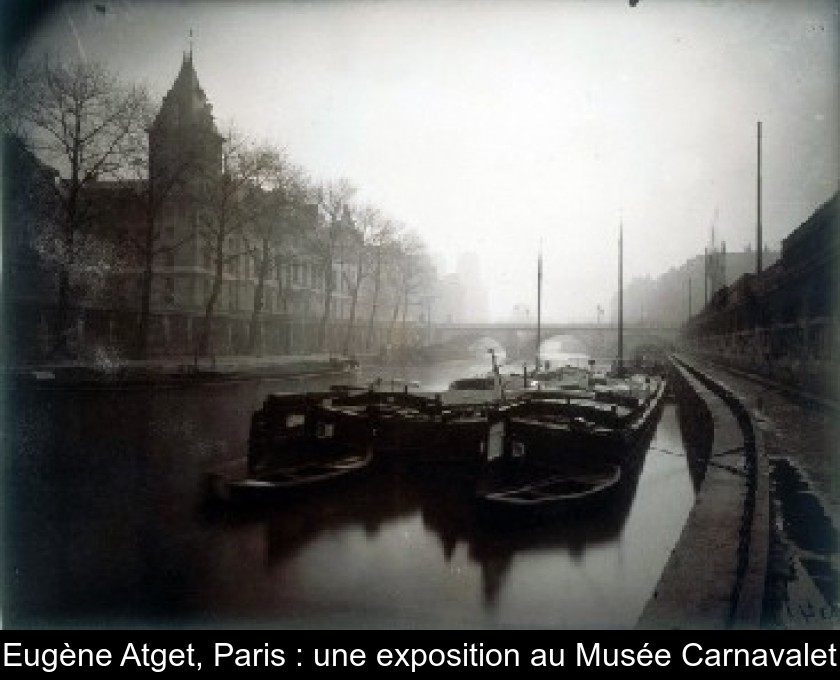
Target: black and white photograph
column 403, row 314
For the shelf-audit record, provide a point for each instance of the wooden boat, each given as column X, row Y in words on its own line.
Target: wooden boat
column 576, row 439
column 567, row 489
column 296, row 442
column 444, row 427
column 400, row 427
column 235, row 483
column 556, row 450
column 408, row 428
column 430, row 431
column 291, row 427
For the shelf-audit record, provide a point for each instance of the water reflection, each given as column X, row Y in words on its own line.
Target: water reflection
column 416, row 536
column 105, row 522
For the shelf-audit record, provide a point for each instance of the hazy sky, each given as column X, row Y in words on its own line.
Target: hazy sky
column 492, row 126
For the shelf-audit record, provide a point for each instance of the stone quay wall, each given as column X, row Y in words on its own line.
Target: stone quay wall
column 714, row 578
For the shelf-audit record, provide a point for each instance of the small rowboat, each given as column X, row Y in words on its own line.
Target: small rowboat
column 233, row 482
column 564, row 490
column 550, row 452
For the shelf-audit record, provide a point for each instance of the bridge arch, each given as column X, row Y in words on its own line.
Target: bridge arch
column 594, row 340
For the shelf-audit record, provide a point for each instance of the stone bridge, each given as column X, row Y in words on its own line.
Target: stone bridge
column 519, row 339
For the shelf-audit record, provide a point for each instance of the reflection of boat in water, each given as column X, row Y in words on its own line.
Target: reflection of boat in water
column 378, row 506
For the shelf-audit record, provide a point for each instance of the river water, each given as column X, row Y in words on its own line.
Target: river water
column 106, row 525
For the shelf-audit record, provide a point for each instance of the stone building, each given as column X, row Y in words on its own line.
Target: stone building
column 783, row 321
column 170, row 213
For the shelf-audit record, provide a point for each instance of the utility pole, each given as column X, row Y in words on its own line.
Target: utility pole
column 758, row 200
column 600, row 332
column 539, row 306
column 621, row 298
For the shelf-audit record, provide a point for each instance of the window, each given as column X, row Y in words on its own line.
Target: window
column 169, row 290
column 170, row 217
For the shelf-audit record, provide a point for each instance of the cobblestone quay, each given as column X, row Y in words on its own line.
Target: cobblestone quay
column 801, row 437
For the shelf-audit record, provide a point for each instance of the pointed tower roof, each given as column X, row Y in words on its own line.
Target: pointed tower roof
column 185, row 103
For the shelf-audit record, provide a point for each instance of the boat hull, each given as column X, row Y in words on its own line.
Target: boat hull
column 233, row 483
column 563, row 463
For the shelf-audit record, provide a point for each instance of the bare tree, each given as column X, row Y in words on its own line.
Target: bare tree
column 408, row 272
column 413, row 274
column 334, row 200
column 383, row 243
column 365, row 221
column 81, row 120
column 231, row 205
column 393, row 275
column 283, row 213
column 165, row 183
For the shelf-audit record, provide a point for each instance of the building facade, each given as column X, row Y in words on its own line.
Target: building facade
column 783, row 322
column 165, row 228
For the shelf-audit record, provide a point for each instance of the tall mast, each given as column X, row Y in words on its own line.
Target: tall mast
column 621, row 298
column 539, row 306
column 758, row 201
